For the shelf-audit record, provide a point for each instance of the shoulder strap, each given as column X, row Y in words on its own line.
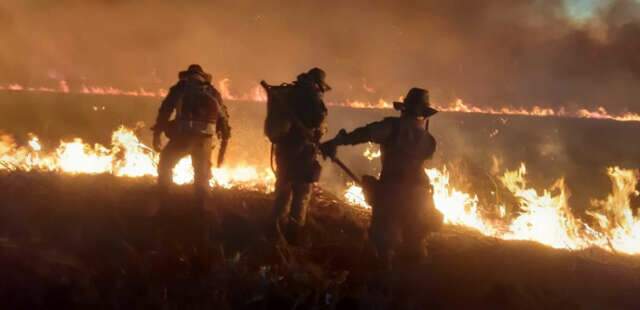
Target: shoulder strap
column 179, row 103
column 395, row 130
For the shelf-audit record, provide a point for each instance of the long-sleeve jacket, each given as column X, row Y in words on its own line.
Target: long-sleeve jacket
column 405, row 145
column 309, row 109
column 173, row 103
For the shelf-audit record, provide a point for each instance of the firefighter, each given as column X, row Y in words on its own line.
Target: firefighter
column 403, row 211
column 199, row 116
column 296, row 153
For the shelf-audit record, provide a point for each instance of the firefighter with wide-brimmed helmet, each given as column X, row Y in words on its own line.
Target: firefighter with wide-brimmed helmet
column 403, row 211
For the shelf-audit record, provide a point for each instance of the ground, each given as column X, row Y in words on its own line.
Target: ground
column 80, row 241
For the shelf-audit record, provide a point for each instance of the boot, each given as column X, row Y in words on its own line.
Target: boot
column 294, row 233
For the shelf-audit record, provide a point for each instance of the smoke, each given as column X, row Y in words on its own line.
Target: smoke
column 487, row 52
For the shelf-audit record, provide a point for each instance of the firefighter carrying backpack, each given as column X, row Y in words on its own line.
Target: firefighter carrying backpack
column 197, row 111
column 278, row 122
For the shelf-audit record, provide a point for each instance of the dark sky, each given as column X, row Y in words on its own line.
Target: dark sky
column 487, row 52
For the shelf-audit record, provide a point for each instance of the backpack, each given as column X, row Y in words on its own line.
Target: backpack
column 278, row 122
column 197, row 110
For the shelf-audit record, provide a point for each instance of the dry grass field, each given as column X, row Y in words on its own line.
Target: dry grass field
column 96, row 241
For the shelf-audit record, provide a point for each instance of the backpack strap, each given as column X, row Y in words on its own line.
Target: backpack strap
column 395, row 131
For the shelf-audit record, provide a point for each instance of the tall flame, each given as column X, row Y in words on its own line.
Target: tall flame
column 614, row 215
column 541, row 216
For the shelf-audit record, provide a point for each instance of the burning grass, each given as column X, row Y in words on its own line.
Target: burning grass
column 544, row 216
column 82, row 240
column 256, row 94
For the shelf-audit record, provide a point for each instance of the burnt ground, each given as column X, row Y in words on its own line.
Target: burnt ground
column 94, row 241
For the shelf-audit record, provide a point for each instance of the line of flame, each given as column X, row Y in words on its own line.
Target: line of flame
column 256, row 94
column 127, row 157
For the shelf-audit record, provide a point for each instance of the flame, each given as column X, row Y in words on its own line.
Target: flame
column 34, row 143
column 257, row 94
column 372, row 151
column 546, row 217
column 355, row 196
column 224, row 89
column 127, row 157
column 540, row 216
column 599, row 113
column 77, row 157
column 458, row 208
column 357, row 104
column 63, row 88
column 614, row 215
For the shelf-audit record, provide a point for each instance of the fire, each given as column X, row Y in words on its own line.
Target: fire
column 127, row 157
column 257, row 94
column 546, row 217
column 614, row 215
column 541, row 216
column 357, row 104
column 77, row 157
column 599, row 113
column 372, row 152
column 34, row 143
column 355, row 196
column 458, row 208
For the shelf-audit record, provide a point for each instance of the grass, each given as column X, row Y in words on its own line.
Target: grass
column 97, row 241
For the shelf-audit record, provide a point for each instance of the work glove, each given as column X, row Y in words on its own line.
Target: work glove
column 329, row 149
column 157, row 141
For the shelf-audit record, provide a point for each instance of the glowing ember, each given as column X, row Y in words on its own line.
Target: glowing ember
column 372, row 152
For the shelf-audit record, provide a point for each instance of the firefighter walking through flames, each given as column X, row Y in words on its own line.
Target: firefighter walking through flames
column 295, row 125
column 403, row 212
column 199, row 116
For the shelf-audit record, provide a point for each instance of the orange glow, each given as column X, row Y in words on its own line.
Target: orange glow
column 542, row 216
column 257, row 94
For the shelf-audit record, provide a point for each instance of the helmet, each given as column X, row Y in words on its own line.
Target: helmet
column 195, row 70
column 417, row 100
column 318, row 75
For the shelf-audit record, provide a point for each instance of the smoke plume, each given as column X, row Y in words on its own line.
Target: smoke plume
column 487, row 52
